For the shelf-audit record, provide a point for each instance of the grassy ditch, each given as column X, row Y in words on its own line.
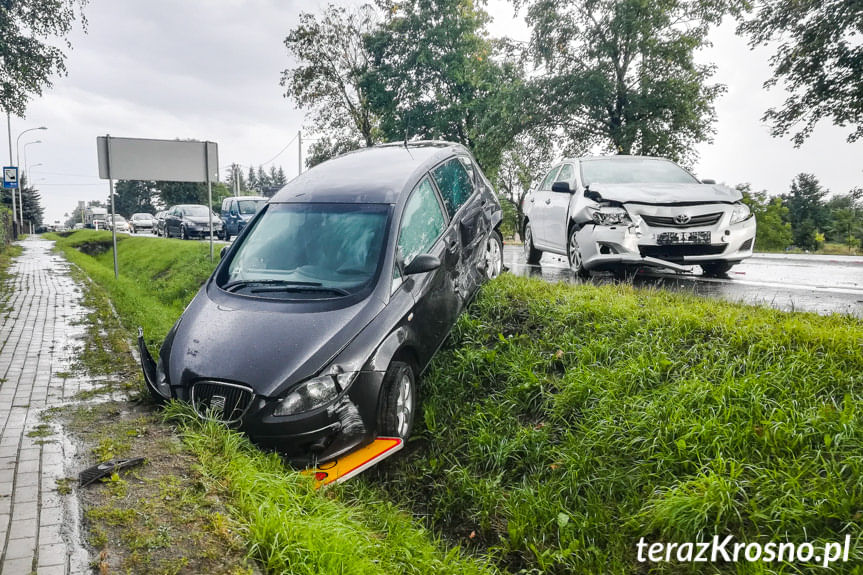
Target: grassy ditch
column 563, row 423
column 286, row 525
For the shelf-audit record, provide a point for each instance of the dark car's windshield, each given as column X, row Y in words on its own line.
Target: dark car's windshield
column 248, row 207
column 322, row 249
column 629, row 170
column 196, row 211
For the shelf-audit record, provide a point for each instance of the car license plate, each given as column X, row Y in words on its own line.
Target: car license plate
column 670, row 238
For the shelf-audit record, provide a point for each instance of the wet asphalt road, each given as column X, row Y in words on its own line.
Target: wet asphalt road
column 820, row 284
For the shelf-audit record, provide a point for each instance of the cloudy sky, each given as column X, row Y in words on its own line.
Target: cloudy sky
column 210, row 71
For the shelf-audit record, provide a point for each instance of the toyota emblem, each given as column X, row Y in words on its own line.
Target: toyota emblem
column 682, row 219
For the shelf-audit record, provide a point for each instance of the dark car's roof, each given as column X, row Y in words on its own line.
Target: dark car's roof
column 374, row 175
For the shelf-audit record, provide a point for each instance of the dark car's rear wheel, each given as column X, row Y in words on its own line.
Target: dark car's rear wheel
column 714, row 269
column 396, row 416
column 576, row 261
column 493, row 255
column 531, row 254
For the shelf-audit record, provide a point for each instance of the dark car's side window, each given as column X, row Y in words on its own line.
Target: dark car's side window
column 455, row 184
column 422, row 224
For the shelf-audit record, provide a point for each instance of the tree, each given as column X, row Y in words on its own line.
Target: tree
column 774, row 231
column 846, row 218
column 173, row 193
column 231, row 171
column 252, row 178
column 133, row 196
column 435, row 74
column 326, row 148
column 331, row 62
column 819, row 60
column 522, row 164
column 806, row 210
column 622, row 73
column 29, row 52
column 280, row 179
column 263, row 178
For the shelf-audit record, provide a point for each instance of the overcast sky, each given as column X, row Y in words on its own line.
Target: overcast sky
column 210, row 71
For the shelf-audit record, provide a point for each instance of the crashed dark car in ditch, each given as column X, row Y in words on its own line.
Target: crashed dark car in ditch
column 311, row 333
column 619, row 212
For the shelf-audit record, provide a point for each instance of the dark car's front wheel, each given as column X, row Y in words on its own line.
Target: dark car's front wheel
column 184, row 234
column 396, row 416
column 493, row 255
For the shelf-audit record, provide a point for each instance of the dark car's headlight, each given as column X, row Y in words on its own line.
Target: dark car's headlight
column 313, row 393
column 741, row 212
column 610, row 216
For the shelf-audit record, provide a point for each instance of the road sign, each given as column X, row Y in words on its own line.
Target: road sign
column 10, row 177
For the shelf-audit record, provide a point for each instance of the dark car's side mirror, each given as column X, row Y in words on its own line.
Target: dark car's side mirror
column 708, row 181
column 561, row 188
column 421, row 264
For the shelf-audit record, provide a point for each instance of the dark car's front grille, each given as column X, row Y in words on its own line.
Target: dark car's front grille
column 693, row 221
column 226, row 402
column 678, row 252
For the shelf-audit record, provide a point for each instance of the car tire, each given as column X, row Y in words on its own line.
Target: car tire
column 226, row 235
column 184, row 234
column 573, row 254
column 531, row 254
column 714, row 269
column 398, row 401
column 493, row 255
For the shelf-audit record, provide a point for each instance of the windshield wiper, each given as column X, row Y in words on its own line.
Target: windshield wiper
column 302, row 289
column 231, row 286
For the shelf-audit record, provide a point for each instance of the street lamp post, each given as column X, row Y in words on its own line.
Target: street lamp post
column 26, row 173
column 18, row 163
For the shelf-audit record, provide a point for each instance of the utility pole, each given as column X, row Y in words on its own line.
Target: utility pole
column 14, row 213
column 299, row 152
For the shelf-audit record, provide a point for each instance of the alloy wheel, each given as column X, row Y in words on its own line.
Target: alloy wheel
column 493, row 257
column 404, row 405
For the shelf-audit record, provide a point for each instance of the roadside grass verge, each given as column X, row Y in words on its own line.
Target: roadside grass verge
column 287, row 525
column 562, row 423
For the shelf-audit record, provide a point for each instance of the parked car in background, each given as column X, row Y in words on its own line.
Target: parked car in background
column 621, row 212
column 119, row 223
column 142, row 222
column 237, row 211
column 191, row 221
column 159, row 224
column 314, row 328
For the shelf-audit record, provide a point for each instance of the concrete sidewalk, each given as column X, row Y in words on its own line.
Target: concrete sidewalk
column 41, row 322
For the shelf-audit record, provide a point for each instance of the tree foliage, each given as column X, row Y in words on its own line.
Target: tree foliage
column 806, row 210
column 134, row 196
column 622, row 73
column 819, row 60
column 331, row 61
column 522, row 164
column 774, row 230
column 435, row 74
column 29, row 55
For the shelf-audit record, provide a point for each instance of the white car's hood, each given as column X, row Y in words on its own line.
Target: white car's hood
column 666, row 193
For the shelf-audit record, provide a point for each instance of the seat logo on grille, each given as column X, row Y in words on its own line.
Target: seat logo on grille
column 217, row 405
column 682, row 218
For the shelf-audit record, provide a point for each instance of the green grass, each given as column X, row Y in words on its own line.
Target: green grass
column 558, row 426
column 563, row 423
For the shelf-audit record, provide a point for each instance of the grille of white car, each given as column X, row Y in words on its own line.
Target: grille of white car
column 672, row 222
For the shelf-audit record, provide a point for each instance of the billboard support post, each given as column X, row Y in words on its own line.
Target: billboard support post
column 113, row 213
column 209, row 193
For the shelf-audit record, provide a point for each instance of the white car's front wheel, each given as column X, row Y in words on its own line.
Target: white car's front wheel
column 576, row 261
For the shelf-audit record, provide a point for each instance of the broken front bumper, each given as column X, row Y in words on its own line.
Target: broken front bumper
column 604, row 247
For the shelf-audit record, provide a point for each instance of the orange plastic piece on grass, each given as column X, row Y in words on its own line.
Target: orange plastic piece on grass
column 355, row 462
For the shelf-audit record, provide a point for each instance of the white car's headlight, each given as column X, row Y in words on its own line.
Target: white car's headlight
column 610, row 216
column 313, row 393
column 740, row 213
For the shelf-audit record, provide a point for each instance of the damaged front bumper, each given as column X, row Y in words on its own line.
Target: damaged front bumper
column 322, row 433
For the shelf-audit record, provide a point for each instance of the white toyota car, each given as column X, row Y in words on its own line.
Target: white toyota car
column 621, row 212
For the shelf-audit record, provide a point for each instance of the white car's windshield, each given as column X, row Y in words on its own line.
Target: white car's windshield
column 310, row 248
column 630, row 170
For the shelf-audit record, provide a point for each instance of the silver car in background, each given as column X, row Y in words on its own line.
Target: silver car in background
column 617, row 212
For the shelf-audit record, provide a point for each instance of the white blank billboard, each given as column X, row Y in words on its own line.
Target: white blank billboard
column 165, row 160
